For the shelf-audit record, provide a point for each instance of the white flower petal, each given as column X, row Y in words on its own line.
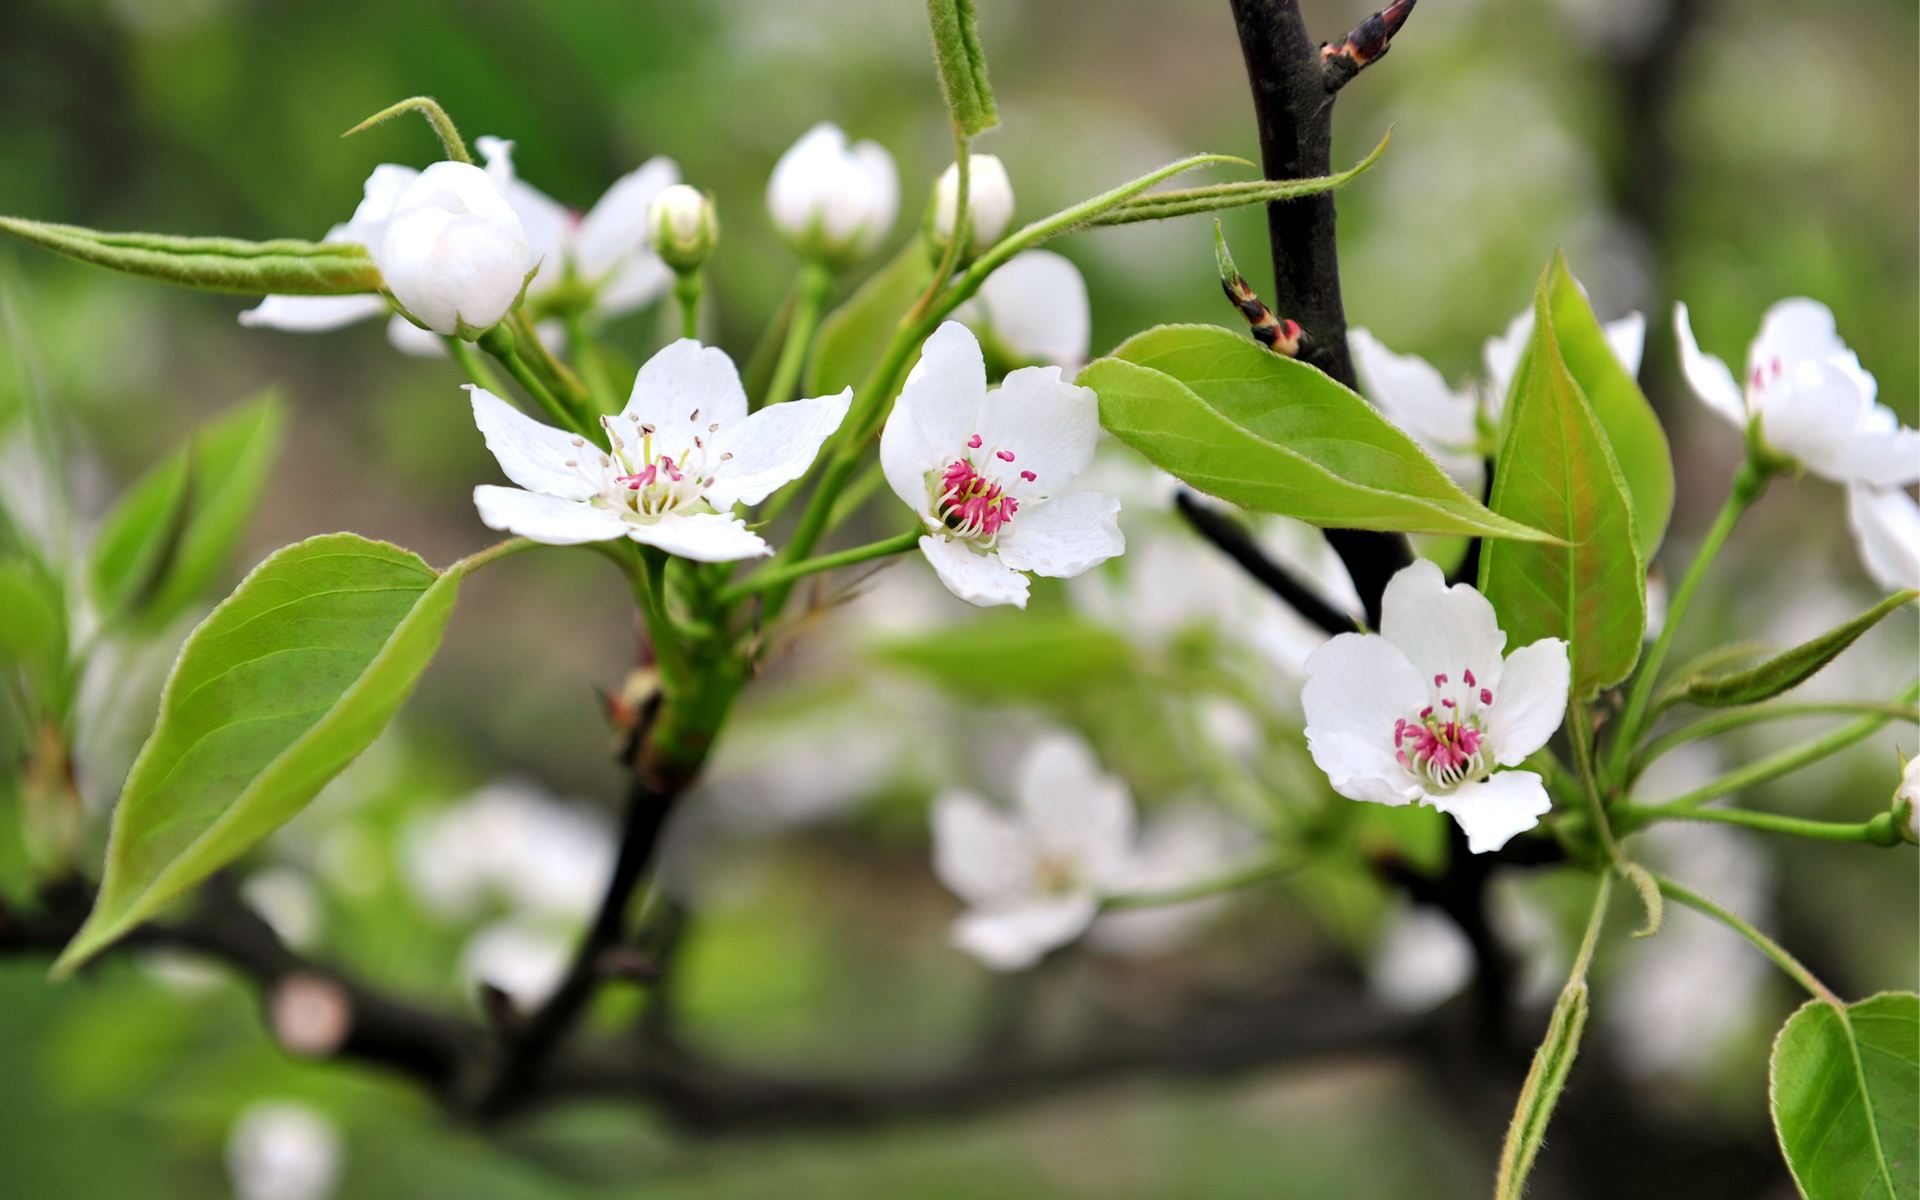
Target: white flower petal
column 772, row 447
column 547, row 519
column 311, row 314
column 1531, row 701
column 547, row 222
column 936, row 413
column 533, row 455
column 683, row 391
column 634, row 284
column 1064, row 536
column 1359, row 686
column 1796, row 330
column 384, row 187
column 702, row 537
column 1075, row 811
column 980, row 853
column 1016, row 938
column 1707, row 375
column 1442, row 630
column 1886, row 525
column 406, row 337
column 1501, row 357
column 1880, row 458
column 1628, row 339
column 1814, row 413
column 454, row 252
column 615, row 228
column 1492, row 811
column 980, row 579
column 1412, row 394
column 1036, row 305
column 1036, row 423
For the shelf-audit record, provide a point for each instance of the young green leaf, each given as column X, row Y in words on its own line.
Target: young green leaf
column 856, row 335
column 1272, row 434
column 963, row 66
column 282, row 686
column 175, row 528
column 1633, row 431
column 1845, row 1087
column 287, row 267
column 33, row 631
column 1787, row 671
column 1546, row 1079
column 1557, row 473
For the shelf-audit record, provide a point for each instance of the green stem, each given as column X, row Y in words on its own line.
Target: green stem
column 1878, row 832
column 560, row 380
column 1785, row 762
column 501, row 343
column 476, row 367
column 1748, row 483
column 855, row 494
column 962, row 222
column 650, row 594
column 602, row 393
column 1249, row 876
column 1772, row 949
column 492, row 554
column 1737, row 718
column 809, row 299
column 775, row 574
column 687, row 287
column 1580, row 734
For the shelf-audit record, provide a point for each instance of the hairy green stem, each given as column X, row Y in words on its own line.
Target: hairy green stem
column 603, row 394
column 476, row 367
column 687, row 288
column 1767, row 946
column 962, row 223
column 1786, row 761
column 1740, row 717
column 492, row 554
column 1233, row 881
column 501, row 343
column 778, row 574
column 1748, row 483
column 1880, row 831
column 809, row 300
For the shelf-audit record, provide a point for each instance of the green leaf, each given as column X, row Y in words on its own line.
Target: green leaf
column 1546, row 1079
column 1845, row 1085
column 287, row 267
column 1272, row 434
column 1555, row 472
column 282, row 686
column 1180, row 202
column 856, row 335
column 33, row 631
column 1789, row 670
column 1633, row 431
column 963, row 66
column 175, row 529
column 1017, row 656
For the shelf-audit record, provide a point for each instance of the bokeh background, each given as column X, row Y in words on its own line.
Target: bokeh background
column 1726, row 153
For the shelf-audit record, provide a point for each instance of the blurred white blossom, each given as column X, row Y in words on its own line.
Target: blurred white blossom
column 833, row 200
column 1034, row 311
column 513, row 844
column 1186, row 847
column 989, row 202
column 522, row 957
column 1886, row 527
column 1421, row 961
column 283, row 1150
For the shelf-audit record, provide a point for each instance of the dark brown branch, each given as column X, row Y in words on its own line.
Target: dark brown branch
column 1295, row 113
column 1236, row 543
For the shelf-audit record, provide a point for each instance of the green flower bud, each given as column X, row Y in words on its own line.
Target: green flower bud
column 684, row 227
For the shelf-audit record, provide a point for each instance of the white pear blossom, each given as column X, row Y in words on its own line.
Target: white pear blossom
column 1186, row 847
column 524, row 958
column 509, row 844
column 1032, row 878
column 1034, row 310
column 832, row 200
column 989, row 202
column 453, row 253
column 681, row 454
column 1886, row 526
column 283, row 1150
column 1807, row 397
column 1428, row 709
column 1455, row 423
column 1421, row 961
column 607, row 249
column 988, row 472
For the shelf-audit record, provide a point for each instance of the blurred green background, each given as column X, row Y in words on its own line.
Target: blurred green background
column 1726, row 153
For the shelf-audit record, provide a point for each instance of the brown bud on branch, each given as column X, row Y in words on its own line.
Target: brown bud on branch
column 1369, row 40
column 1278, row 335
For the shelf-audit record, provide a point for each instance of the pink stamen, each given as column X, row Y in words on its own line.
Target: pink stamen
column 971, row 504
column 1029, row 476
column 1003, row 455
column 1439, row 681
column 973, row 443
column 1468, row 676
column 1486, row 695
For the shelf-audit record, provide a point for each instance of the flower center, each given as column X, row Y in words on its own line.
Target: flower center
column 972, row 505
column 1445, row 744
column 641, row 478
column 1055, row 875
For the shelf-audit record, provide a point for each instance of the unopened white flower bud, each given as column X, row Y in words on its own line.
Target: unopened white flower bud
column 833, row 201
column 454, row 253
column 1906, row 802
column 989, row 203
column 684, row 227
